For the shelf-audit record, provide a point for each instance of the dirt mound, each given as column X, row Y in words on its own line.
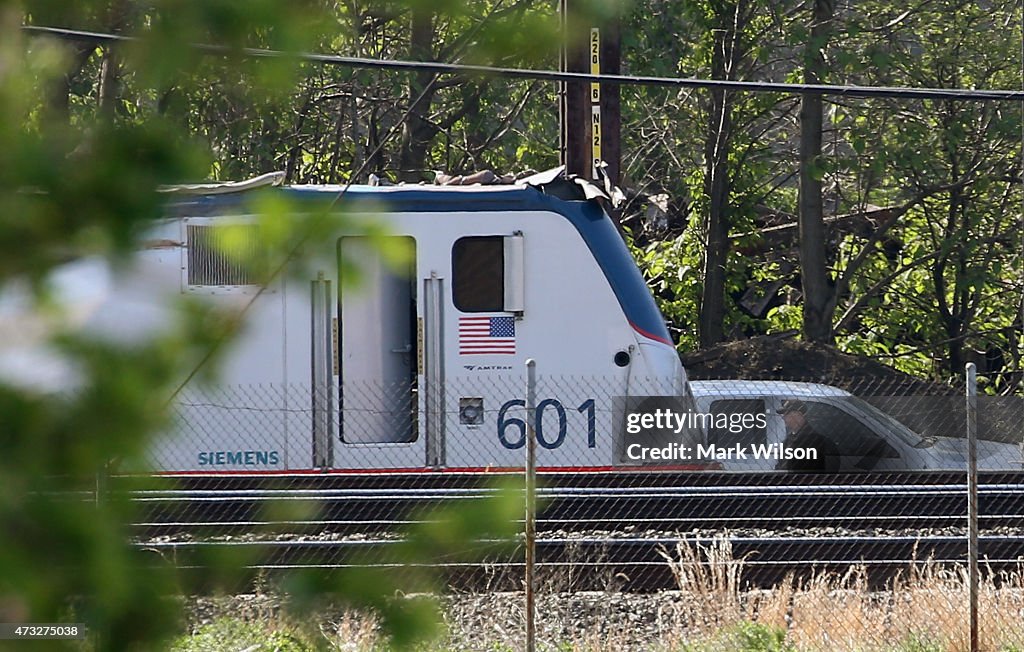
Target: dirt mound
column 786, row 358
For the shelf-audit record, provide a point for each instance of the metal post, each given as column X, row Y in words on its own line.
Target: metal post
column 972, row 498
column 531, row 490
column 321, row 354
column 433, row 289
column 102, row 476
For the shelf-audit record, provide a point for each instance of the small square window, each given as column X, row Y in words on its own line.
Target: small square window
column 478, row 274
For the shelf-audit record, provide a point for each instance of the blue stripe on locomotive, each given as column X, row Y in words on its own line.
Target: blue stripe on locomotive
column 588, row 218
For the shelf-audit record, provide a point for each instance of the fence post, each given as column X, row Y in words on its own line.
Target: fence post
column 972, row 499
column 531, row 490
column 101, row 483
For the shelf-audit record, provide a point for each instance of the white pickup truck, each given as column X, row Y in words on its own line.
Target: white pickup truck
column 867, row 438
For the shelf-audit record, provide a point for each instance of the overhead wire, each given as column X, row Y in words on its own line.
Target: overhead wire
column 443, row 68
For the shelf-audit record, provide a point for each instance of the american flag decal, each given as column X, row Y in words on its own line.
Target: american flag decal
column 487, row 335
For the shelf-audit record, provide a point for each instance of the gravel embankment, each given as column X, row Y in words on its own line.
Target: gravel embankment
column 625, row 533
column 597, row 620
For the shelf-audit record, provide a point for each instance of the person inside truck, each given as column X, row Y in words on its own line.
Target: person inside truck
column 800, row 434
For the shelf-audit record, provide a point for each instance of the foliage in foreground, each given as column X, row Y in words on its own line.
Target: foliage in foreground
column 80, row 169
column 231, row 634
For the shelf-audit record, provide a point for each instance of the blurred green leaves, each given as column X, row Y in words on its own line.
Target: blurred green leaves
column 71, row 190
column 88, row 135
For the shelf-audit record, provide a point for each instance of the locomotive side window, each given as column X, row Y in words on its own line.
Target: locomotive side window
column 728, row 437
column 478, row 274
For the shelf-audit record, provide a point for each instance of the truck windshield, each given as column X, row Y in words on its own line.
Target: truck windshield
column 892, row 424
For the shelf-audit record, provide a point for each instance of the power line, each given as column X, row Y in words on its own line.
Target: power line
column 552, row 75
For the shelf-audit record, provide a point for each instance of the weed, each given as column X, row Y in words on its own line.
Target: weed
column 230, row 634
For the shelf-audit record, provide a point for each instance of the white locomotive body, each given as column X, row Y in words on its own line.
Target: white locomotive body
column 415, row 367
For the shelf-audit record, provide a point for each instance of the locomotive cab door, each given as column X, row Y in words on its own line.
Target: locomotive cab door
column 377, row 350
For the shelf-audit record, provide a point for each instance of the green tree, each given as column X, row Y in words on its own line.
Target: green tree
column 936, row 276
column 918, row 251
column 714, row 153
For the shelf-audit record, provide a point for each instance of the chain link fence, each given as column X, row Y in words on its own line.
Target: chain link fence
column 825, row 516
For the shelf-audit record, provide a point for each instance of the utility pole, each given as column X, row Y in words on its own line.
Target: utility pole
column 589, row 114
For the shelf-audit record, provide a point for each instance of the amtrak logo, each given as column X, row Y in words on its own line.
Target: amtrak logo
column 486, row 367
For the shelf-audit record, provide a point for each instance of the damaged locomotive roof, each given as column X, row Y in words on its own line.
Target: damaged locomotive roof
column 551, row 182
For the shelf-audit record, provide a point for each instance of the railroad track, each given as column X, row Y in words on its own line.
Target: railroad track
column 697, row 501
column 599, row 527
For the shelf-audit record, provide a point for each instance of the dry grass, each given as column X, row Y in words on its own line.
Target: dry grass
column 923, row 610
column 352, row 632
column 927, row 605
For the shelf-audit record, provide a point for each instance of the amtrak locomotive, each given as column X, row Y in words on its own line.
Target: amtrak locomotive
column 414, row 366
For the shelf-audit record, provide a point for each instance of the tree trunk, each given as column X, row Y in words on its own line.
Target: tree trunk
column 118, row 18
column 716, row 246
column 717, row 145
column 109, row 82
column 295, row 152
column 58, row 106
column 819, row 295
column 953, row 311
column 417, row 132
